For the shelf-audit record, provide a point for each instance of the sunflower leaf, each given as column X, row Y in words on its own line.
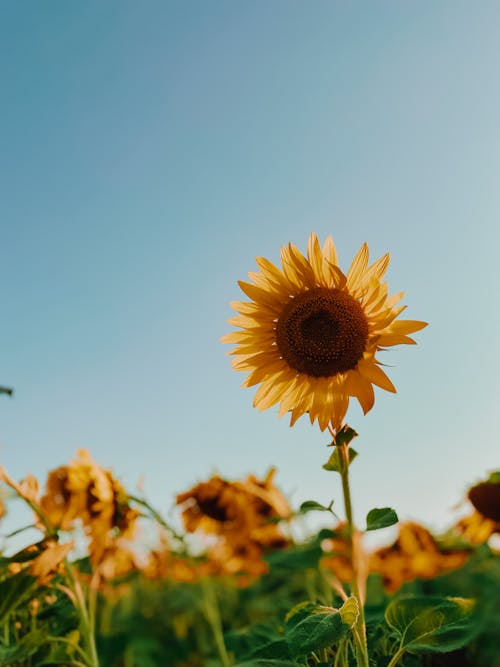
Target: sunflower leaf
column 381, row 518
column 431, row 624
column 26, row 647
column 266, row 662
column 309, row 627
column 344, row 436
column 14, row 591
column 312, row 505
column 333, row 462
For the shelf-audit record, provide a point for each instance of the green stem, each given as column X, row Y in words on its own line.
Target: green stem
column 86, row 616
column 360, row 627
column 63, row 640
column 212, row 614
column 158, row 517
column 395, row 658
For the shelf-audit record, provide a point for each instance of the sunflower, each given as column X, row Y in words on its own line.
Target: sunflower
column 237, row 510
column 484, row 521
column 85, row 491
column 310, row 333
column 414, row 554
column 243, row 517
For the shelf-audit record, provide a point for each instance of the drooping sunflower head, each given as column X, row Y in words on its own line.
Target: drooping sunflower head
column 484, row 521
column 310, row 333
column 485, row 497
column 414, row 554
column 57, row 503
column 212, row 506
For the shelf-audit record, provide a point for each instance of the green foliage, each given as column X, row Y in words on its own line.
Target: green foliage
column 333, row 462
column 15, row 590
column 312, row 505
column 381, row 518
column 431, row 624
column 344, row 436
column 267, row 663
column 22, row 649
column 311, row 627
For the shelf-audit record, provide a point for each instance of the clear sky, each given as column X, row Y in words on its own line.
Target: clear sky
column 149, row 151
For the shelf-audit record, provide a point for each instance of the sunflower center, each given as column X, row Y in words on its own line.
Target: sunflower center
column 211, row 508
column 322, row 332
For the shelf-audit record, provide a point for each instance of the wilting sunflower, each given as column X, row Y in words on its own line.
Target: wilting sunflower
column 414, row 554
column 85, row 491
column 310, row 333
column 484, row 521
column 241, row 516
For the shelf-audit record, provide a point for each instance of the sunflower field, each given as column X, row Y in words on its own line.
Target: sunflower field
column 250, row 593
column 241, row 580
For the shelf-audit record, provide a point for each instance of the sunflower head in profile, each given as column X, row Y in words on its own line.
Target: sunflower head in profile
column 310, row 333
column 484, row 521
column 414, row 554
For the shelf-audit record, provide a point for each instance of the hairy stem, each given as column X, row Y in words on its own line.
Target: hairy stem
column 360, row 627
column 212, row 614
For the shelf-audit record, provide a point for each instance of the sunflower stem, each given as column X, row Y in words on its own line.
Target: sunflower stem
column 212, row 614
column 86, row 615
column 360, row 626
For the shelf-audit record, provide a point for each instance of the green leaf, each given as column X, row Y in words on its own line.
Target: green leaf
column 14, row 591
column 257, row 641
column 310, row 627
column 381, row 518
column 277, row 649
column 6, row 390
column 311, row 505
column 431, row 624
column 266, row 663
column 23, row 649
column 349, row 611
column 494, row 477
column 344, row 436
column 333, row 462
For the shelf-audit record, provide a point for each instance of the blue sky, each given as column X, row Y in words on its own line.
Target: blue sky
column 149, row 151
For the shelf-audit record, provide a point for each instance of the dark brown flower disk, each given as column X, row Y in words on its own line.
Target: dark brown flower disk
column 322, row 332
column 486, row 499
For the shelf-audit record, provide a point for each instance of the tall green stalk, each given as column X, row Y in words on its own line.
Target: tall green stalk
column 212, row 614
column 86, row 614
column 360, row 626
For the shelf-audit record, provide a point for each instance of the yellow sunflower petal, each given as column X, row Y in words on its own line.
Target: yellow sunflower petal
column 334, row 276
column 274, row 276
column 302, row 266
column 259, row 295
column 315, row 257
column 250, row 308
column 357, row 268
column 394, row 299
column 406, row 326
column 264, row 372
column 375, row 374
column 245, row 322
column 377, row 269
column 365, row 396
column 268, row 394
column 387, row 340
column 330, row 251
